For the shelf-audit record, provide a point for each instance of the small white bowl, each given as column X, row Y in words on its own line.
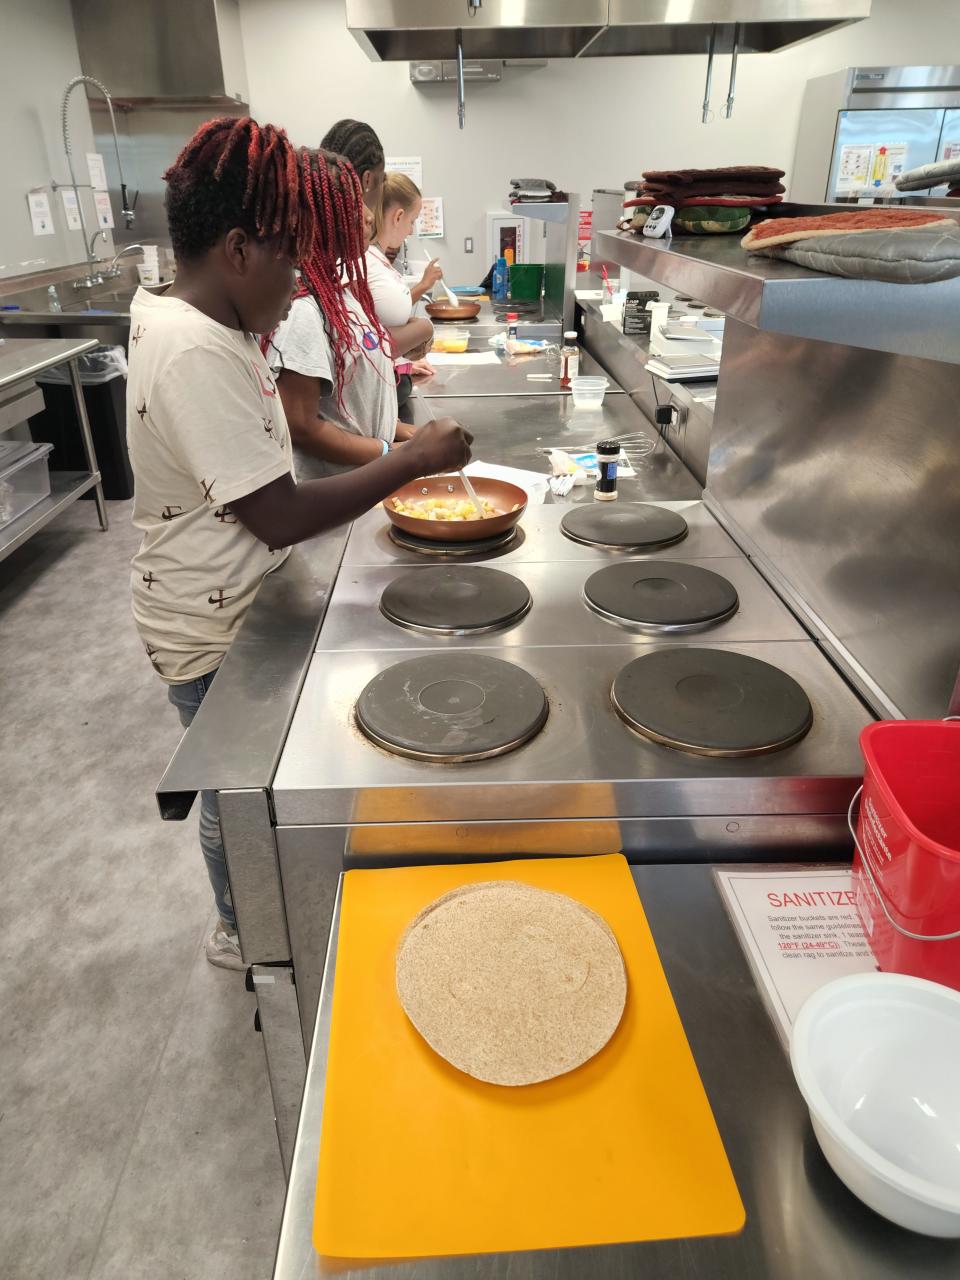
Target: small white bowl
column 588, row 393
column 877, row 1059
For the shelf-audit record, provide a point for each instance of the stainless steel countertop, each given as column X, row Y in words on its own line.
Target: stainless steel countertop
column 237, row 737
column 23, row 358
column 802, row 1223
column 509, row 377
column 515, row 431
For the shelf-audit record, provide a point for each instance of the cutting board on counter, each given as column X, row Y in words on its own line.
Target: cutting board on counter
column 418, row 1159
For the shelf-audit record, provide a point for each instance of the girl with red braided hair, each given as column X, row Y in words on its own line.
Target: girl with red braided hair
column 216, row 496
column 332, row 357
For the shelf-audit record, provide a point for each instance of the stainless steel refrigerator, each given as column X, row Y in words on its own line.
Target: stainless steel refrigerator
column 861, row 127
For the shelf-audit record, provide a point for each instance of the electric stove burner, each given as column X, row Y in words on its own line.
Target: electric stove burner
column 713, row 702
column 628, row 526
column 478, row 547
column 455, row 600
column 452, row 707
column 660, row 595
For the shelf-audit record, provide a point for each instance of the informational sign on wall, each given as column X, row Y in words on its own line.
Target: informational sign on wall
column 430, row 222
column 889, row 161
column 71, row 208
column 41, row 218
column 101, row 200
column 856, row 161
column 412, row 166
column 97, row 171
column 799, row 930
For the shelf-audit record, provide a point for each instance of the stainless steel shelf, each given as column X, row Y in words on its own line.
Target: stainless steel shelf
column 23, row 358
column 548, row 211
column 905, row 319
column 65, row 487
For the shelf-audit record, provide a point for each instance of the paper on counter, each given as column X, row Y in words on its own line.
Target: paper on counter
column 799, row 930
column 532, row 482
column 438, row 358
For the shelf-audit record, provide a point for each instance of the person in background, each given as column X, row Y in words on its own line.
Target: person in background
column 361, row 146
column 216, row 498
column 396, row 219
column 332, row 358
column 393, row 298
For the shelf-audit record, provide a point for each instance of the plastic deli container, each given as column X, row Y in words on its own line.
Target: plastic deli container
column 452, row 341
column 24, row 478
column 588, row 393
column 907, row 864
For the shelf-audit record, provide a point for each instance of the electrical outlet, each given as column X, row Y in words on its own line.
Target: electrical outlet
column 468, row 244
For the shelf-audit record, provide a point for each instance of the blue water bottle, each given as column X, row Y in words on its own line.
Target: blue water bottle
column 501, row 278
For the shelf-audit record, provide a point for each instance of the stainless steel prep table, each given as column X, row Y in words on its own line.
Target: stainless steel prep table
column 510, row 376
column 21, row 359
column 802, row 1223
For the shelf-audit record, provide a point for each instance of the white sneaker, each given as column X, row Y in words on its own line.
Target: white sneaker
column 223, row 947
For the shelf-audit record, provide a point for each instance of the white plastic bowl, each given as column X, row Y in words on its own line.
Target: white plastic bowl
column 588, row 393
column 877, row 1059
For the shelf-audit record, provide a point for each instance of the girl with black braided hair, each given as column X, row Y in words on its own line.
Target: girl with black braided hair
column 361, row 146
column 216, row 496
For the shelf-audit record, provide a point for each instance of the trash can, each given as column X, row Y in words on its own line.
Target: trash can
column 103, row 376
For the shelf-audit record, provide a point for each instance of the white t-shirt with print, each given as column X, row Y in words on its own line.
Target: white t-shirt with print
column 390, row 292
column 369, row 408
column 205, row 427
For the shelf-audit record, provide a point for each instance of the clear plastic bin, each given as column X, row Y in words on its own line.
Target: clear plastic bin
column 450, row 341
column 24, row 480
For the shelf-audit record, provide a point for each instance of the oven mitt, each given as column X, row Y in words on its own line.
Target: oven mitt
column 929, row 175
column 898, row 257
column 712, row 220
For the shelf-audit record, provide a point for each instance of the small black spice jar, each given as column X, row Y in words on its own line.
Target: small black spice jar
column 608, row 454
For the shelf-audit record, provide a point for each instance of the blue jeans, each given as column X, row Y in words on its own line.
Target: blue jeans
column 187, row 698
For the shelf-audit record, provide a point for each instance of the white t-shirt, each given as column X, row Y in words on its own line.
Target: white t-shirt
column 302, row 344
column 205, row 427
column 390, row 292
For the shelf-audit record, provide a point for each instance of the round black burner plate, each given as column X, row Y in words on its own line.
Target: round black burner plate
column 713, row 702
column 455, row 599
column 627, row 526
column 452, row 707
column 660, row 595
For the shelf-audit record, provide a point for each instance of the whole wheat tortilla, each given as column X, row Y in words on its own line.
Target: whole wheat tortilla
column 509, row 983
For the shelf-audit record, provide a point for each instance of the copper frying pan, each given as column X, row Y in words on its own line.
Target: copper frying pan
column 500, row 493
column 447, row 311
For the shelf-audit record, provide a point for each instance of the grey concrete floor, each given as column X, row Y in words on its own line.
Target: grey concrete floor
column 136, row 1130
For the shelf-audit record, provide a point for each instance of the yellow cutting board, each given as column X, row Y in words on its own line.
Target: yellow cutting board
column 418, row 1159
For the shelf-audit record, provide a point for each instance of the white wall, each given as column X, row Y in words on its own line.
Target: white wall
column 38, row 55
column 585, row 124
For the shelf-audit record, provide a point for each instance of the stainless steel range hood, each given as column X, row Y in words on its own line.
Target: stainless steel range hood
column 164, row 52
column 408, row 30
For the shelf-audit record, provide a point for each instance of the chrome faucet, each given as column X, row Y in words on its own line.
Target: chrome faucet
column 113, row 270
column 92, row 277
column 93, row 240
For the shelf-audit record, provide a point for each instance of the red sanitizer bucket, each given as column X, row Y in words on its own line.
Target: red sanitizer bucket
column 907, row 867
